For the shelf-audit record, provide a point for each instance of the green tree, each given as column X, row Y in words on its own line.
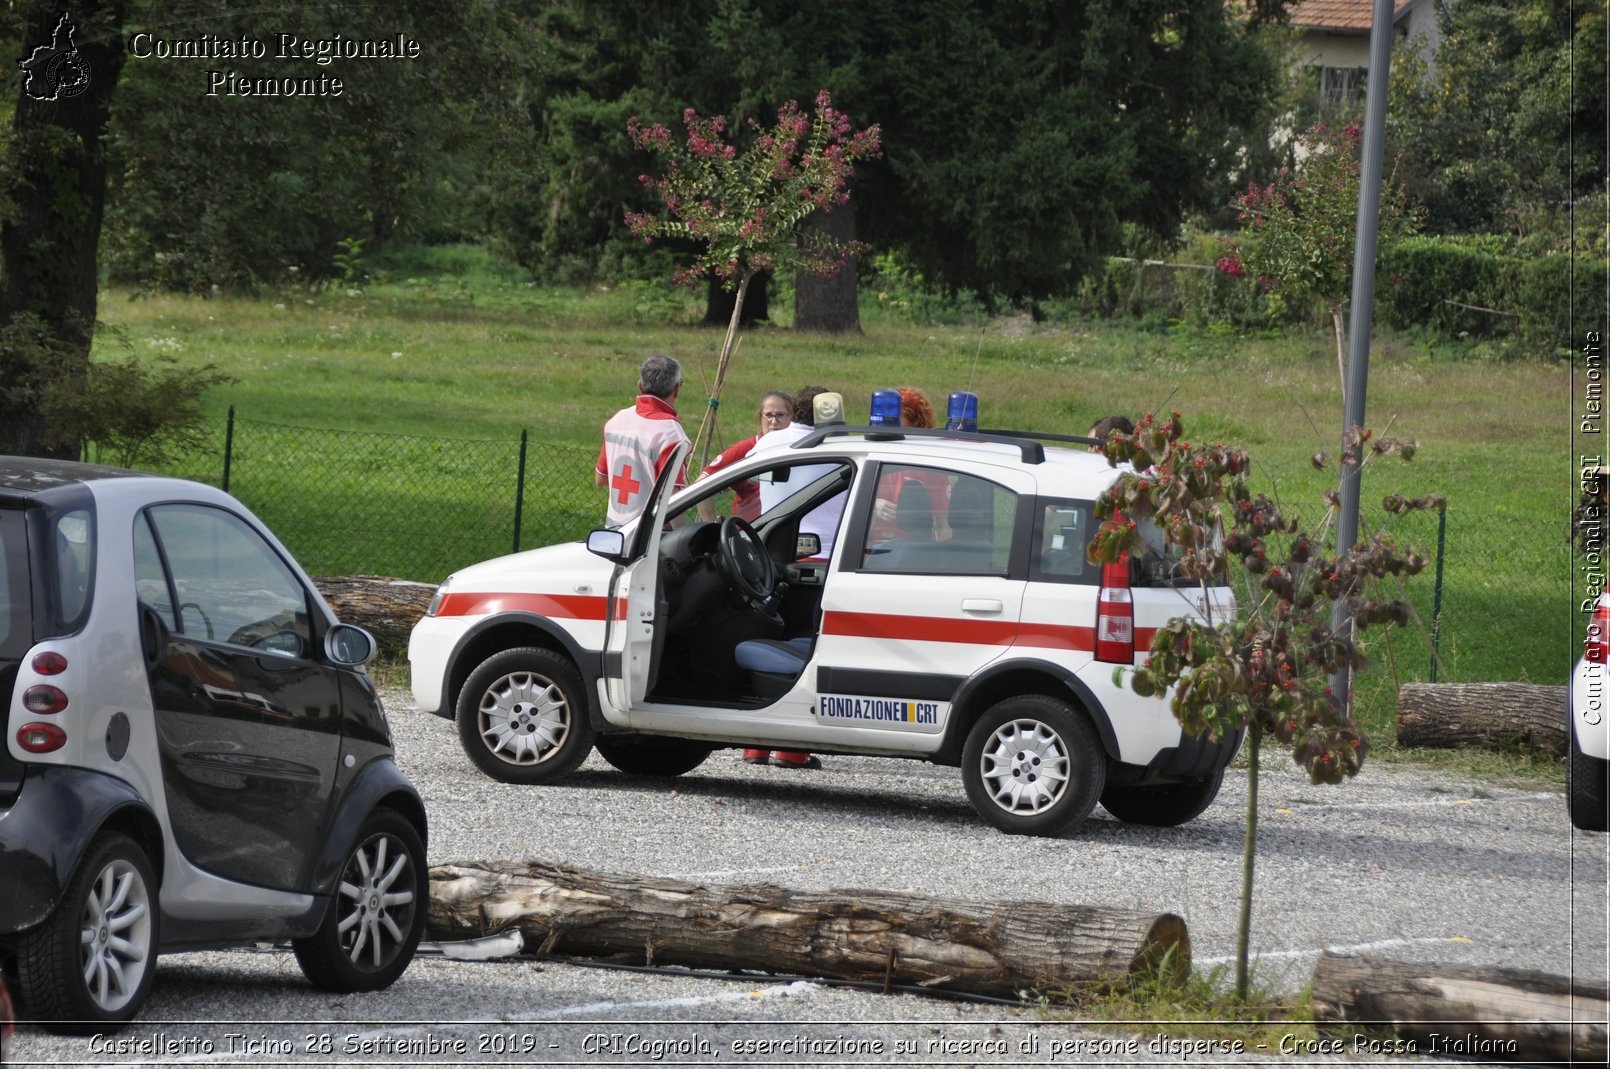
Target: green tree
column 1296, row 235
column 1266, row 669
column 52, row 195
column 217, row 186
column 1018, row 137
column 1507, row 120
column 744, row 208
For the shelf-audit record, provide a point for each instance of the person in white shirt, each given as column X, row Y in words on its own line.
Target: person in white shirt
column 639, row 441
column 822, row 521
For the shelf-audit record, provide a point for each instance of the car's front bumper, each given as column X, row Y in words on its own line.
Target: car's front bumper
column 1588, row 708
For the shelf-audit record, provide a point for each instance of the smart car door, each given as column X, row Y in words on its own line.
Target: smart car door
column 248, row 715
column 632, row 639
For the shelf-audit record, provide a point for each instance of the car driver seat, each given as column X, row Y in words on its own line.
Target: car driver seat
column 914, row 511
column 774, row 664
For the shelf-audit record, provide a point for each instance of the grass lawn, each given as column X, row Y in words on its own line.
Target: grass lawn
column 479, row 356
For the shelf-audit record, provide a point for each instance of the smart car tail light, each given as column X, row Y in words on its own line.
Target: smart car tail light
column 1597, row 646
column 41, row 738
column 1115, row 615
column 49, row 663
column 44, row 699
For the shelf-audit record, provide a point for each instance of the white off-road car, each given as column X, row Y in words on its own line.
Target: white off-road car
column 955, row 619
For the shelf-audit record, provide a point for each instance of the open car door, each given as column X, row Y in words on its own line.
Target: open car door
column 632, row 639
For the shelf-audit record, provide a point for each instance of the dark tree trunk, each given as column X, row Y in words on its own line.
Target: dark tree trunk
column 55, row 192
column 718, row 302
column 829, row 305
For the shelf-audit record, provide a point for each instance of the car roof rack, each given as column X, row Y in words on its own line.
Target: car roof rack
column 1027, row 443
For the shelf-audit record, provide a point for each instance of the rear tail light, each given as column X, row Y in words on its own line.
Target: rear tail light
column 45, row 699
column 49, row 663
column 41, row 738
column 1597, row 646
column 1115, row 615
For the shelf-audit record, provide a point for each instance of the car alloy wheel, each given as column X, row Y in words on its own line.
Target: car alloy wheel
column 377, row 910
column 91, row 963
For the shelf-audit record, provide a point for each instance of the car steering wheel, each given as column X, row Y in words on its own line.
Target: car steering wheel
column 750, row 570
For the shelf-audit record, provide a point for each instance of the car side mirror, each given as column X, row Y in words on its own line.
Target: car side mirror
column 608, row 543
column 349, row 645
column 807, row 545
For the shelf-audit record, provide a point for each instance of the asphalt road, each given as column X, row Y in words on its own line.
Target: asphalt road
column 1400, row 863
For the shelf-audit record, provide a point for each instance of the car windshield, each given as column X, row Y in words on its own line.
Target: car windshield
column 16, row 631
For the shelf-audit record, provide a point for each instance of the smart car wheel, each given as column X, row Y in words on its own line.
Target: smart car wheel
column 652, row 756
column 377, row 911
column 1163, row 806
column 522, row 717
column 89, row 966
column 1033, row 765
column 1585, row 784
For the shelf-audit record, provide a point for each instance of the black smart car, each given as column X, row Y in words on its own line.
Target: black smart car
column 193, row 755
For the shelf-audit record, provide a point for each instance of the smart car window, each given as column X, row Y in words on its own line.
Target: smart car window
column 231, row 585
column 150, row 580
column 74, row 552
column 973, row 536
column 16, row 632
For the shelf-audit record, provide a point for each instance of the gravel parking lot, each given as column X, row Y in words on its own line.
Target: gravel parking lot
column 1402, row 863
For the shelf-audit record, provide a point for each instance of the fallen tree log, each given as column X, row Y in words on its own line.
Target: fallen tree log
column 387, row 608
column 1492, row 716
column 992, row 948
column 1508, row 1014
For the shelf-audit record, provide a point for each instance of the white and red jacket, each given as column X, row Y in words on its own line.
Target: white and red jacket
column 638, row 442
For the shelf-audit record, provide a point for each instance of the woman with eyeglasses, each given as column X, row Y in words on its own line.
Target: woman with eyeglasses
column 776, row 412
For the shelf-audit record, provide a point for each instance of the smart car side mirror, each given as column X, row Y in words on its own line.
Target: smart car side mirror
column 609, row 544
column 348, row 645
column 807, row 545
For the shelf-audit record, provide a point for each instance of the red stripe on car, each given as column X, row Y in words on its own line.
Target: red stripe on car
column 557, row 606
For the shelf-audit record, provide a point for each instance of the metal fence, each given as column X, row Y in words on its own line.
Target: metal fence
column 360, row 503
column 1491, row 604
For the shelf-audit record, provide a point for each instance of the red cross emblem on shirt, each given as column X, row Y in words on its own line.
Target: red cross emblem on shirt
column 625, row 485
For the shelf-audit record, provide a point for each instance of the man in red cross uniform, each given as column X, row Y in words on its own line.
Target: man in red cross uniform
column 639, row 441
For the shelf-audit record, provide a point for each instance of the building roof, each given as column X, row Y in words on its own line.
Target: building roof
column 1343, row 16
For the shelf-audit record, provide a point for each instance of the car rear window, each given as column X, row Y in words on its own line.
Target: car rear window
column 16, row 629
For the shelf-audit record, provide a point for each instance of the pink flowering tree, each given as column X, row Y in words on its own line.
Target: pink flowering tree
column 1264, row 668
column 1296, row 234
column 745, row 205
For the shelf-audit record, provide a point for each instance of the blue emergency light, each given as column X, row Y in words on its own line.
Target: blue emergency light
column 885, row 408
column 962, row 412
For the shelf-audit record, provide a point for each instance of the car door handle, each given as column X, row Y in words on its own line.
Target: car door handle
column 981, row 605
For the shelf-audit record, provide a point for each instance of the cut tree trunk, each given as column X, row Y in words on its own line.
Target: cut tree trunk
column 386, row 608
column 1492, row 716
column 993, row 948
column 1460, row 1010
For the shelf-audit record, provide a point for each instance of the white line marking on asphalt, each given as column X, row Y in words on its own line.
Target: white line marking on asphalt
column 1379, row 944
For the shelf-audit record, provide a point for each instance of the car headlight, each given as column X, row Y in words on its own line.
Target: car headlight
column 436, row 599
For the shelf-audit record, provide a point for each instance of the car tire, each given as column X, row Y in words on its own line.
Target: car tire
column 377, row 910
column 89, row 966
column 1033, row 765
column 1585, row 793
column 522, row 717
column 651, row 756
column 1166, row 805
